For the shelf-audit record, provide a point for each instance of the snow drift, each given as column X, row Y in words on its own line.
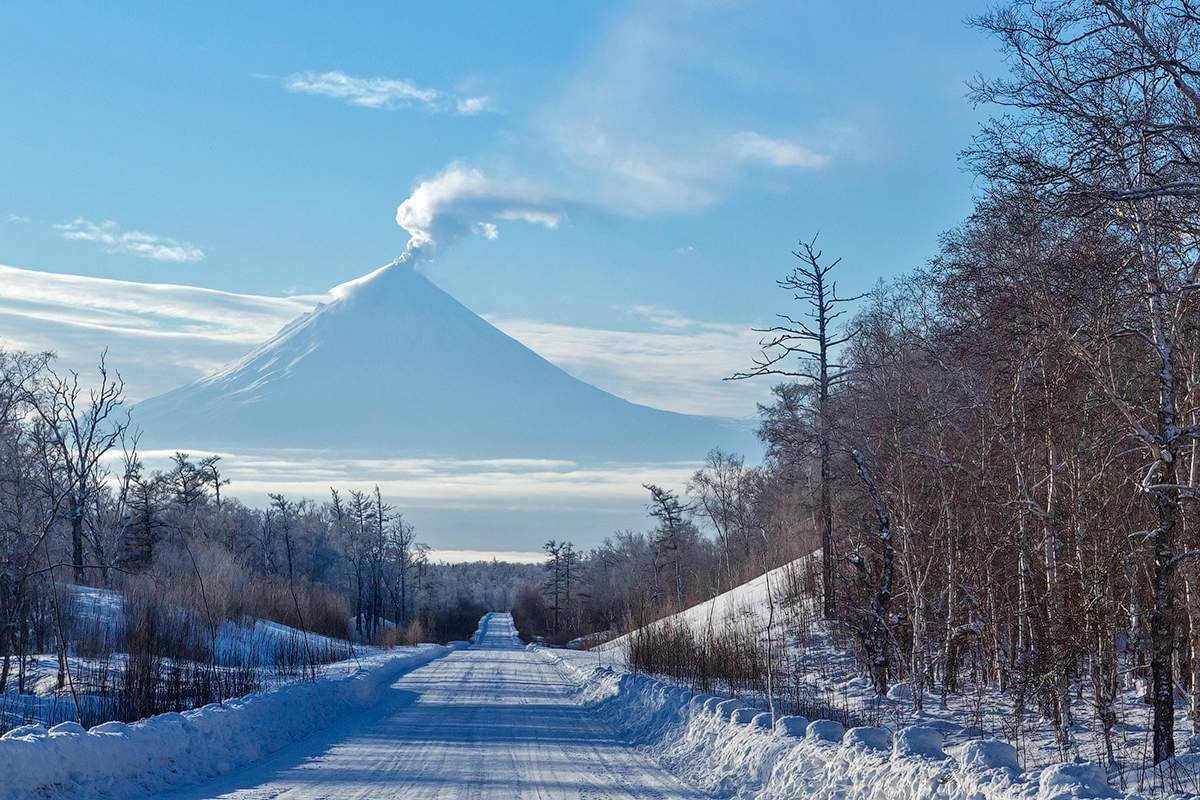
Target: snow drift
column 394, row 366
column 730, row 749
column 116, row 760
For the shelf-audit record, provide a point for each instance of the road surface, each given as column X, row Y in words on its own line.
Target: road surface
column 491, row 721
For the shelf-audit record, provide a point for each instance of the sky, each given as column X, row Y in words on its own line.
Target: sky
column 617, row 185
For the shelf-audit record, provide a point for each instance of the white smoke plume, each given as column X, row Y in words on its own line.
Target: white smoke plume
column 462, row 199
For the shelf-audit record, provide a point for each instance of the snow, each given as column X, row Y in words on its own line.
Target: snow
column 989, row 754
column 119, row 760
column 492, row 721
column 1063, row 781
column 744, row 715
column 498, row 720
column 748, row 601
column 765, row 721
column 695, row 740
column 821, row 661
column 413, row 364
column 869, row 738
column 825, row 730
column 792, row 726
column 918, row 740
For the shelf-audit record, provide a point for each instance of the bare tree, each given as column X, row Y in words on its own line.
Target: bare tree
column 83, row 432
column 806, row 348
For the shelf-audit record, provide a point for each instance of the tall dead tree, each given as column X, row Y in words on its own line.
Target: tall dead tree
column 805, row 348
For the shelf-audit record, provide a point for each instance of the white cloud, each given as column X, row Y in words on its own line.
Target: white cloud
column 440, row 482
column 679, row 366
column 17, row 219
column 133, row 243
column 644, row 125
column 487, row 230
column 751, row 146
column 437, row 555
column 475, row 505
column 366, row 92
column 385, row 93
column 470, row 106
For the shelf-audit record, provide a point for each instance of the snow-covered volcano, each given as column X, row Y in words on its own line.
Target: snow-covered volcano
column 393, row 366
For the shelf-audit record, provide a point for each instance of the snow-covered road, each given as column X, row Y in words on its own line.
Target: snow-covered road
column 492, row 721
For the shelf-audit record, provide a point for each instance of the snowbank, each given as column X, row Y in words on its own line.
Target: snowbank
column 714, row 745
column 115, row 759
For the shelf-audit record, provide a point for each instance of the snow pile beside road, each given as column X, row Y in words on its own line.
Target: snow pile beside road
column 724, row 748
column 115, row 759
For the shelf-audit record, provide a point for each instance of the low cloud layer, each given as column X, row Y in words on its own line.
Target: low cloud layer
column 470, row 504
column 159, row 335
column 678, row 366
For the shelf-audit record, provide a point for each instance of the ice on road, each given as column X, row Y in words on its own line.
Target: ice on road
column 490, row 721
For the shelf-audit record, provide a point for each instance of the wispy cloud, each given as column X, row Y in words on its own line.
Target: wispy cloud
column 132, row 243
column 751, row 146
column 160, row 335
column 640, row 127
column 678, row 365
column 383, row 93
column 470, row 106
column 17, row 219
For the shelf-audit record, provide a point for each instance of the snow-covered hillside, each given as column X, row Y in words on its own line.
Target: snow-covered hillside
column 748, row 602
column 393, row 365
column 820, row 659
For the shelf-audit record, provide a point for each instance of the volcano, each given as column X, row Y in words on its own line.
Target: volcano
column 392, row 366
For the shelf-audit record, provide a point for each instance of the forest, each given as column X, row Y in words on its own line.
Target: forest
column 998, row 454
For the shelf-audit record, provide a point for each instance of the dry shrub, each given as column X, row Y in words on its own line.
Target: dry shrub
column 395, row 636
column 206, row 578
column 388, row 636
column 732, row 658
column 323, row 610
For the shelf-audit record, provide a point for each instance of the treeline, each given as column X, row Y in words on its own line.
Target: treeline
column 78, row 506
column 730, row 523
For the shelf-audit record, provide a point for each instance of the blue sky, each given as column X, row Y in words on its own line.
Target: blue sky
column 176, row 121
column 617, row 185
